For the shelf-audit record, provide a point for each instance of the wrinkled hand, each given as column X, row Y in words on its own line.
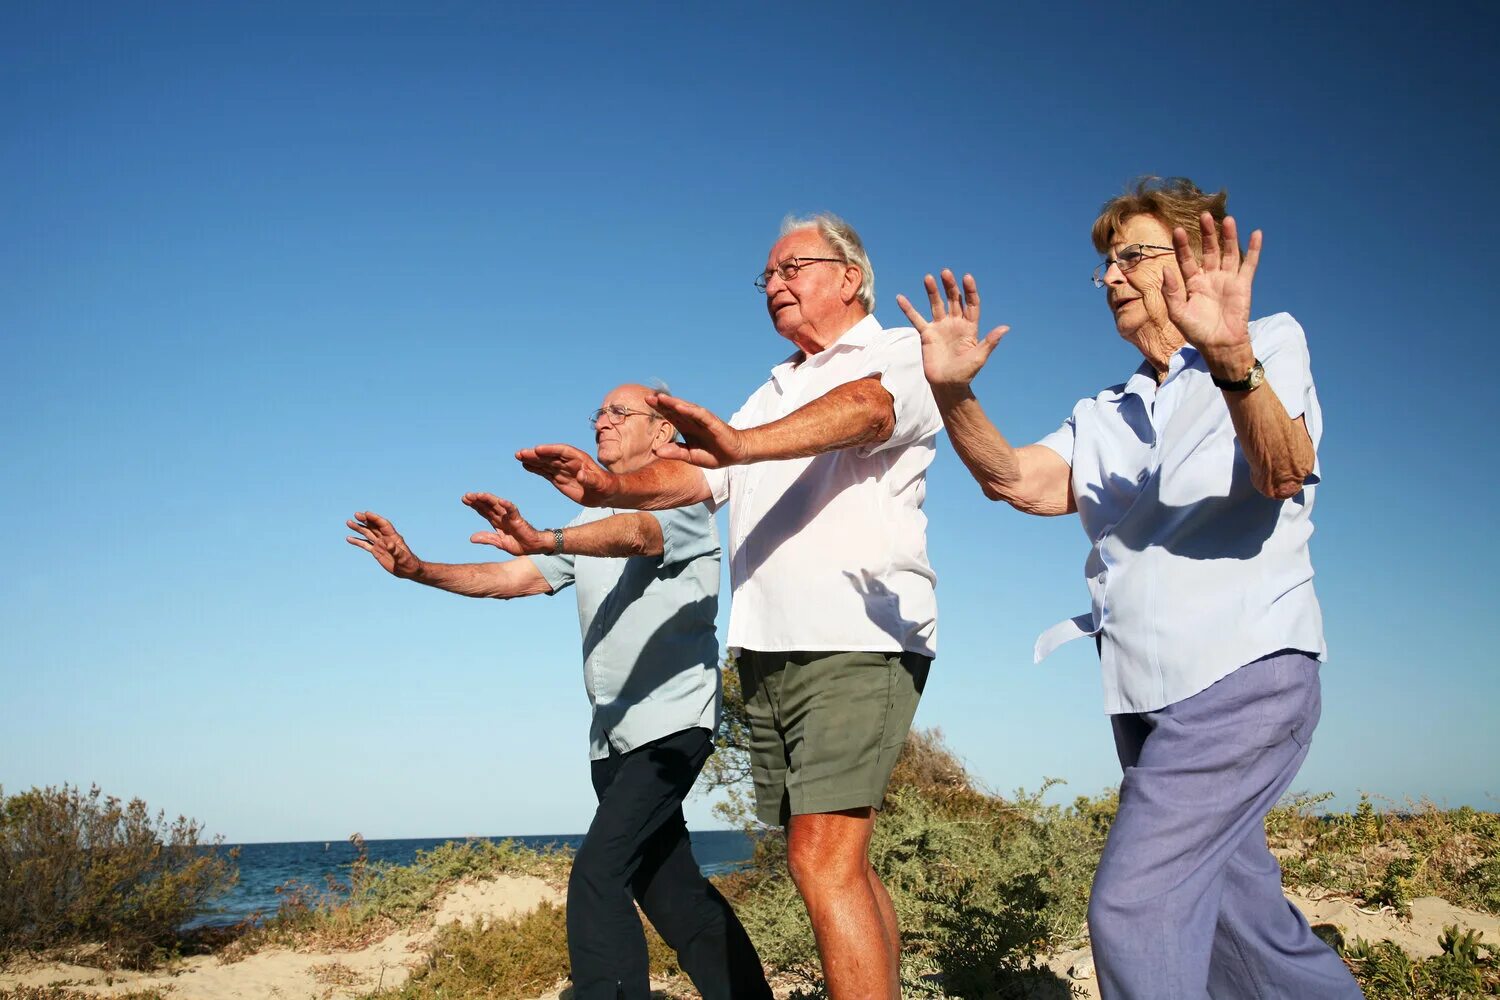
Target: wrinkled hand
column 710, row 442
column 952, row 352
column 379, row 537
column 1211, row 304
column 577, row 476
column 512, row 532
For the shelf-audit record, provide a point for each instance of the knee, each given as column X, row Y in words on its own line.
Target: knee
column 1111, row 912
column 819, row 868
column 594, row 868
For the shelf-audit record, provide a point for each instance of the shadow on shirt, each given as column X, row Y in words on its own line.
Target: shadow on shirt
column 1235, row 526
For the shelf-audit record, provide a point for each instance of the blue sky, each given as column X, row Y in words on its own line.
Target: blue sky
column 267, row 265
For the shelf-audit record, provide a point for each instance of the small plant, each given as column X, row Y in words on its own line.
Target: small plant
column 1465, row 968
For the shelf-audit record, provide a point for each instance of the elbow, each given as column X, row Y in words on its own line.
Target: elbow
column 1283, row 484
column 991, row 491
column 880, row 406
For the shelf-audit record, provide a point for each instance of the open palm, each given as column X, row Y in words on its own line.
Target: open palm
column 1211, row 304
column 952, row 351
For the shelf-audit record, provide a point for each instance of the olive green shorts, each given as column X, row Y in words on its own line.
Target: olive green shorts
column 826, row 728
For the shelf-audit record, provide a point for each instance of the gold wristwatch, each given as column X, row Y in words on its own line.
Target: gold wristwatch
column 1252, row 380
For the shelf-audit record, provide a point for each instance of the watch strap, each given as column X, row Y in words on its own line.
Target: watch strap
column 1254, row 377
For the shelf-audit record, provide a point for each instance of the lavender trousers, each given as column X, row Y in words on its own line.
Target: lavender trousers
column 1187, row 901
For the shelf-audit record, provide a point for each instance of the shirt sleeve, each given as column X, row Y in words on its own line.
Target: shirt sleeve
column 1281, row 347
column 558, row 570
column 897, row 359
column 1062, row 439
column 687, row 533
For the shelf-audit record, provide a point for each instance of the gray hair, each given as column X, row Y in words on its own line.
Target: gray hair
column 844, row 241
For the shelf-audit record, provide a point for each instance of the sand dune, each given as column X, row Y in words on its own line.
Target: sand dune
column 331, row 975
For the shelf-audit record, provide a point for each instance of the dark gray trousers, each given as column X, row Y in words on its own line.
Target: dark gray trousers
column 1187, row 901
column 637, row 850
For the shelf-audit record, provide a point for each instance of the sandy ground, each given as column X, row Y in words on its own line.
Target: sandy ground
column 279, row 974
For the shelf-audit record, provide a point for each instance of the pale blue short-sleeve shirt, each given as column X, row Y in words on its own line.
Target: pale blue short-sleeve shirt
column 650, row 654
column 1193, row 572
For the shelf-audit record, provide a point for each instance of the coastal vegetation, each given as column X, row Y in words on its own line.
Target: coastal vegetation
column 89, row 876
column 990, row 890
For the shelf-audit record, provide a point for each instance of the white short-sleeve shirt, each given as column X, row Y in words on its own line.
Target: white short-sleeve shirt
column 829, row 553
column 1193, row 572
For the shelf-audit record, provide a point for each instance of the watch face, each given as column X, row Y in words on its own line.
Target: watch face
column 1257, row 375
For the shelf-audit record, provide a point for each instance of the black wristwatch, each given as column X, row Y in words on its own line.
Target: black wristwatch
column 1252, row 380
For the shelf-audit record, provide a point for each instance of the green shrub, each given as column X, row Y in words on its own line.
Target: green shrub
column 82, row 868
column 1465, row 968
column 1389, row 857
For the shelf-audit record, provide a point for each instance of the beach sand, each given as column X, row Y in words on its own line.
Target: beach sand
column 332, row 975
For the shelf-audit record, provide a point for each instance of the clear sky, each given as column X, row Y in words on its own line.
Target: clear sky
column 266, row 265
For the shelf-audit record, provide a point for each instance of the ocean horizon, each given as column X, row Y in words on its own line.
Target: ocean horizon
column 265, row 867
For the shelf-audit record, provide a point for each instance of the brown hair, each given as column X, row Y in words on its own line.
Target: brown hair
column 1174, row 201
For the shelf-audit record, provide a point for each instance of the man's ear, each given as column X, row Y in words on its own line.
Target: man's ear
column 854, row 276
column 664, row 433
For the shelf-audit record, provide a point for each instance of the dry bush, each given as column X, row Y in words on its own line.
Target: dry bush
column 84, row 869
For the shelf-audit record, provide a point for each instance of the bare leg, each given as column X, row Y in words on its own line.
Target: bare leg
column 828, row 854
column 888, row 923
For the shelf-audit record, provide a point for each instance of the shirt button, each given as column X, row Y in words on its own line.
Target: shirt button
column 1141, row 478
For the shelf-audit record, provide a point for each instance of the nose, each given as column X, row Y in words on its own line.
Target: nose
column 601, row 421
column 1114, row 276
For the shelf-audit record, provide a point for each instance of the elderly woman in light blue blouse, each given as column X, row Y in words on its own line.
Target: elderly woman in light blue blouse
column 1194, row 479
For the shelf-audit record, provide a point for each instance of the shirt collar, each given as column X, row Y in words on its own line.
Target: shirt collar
column 861, row 334
column 1143, row 383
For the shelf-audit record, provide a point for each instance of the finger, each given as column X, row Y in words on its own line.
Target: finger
column 365, row 531
column 912, row 316
column 375, row 520
column 1173, row 290
column 1210, row 238
column 1229, row 245
column 671, row 450
column 499, row 541
column 971, row 299
column 1185, row 259
column 950, row 289
column 933, row 299
column 1252, row 256
column 360, row 543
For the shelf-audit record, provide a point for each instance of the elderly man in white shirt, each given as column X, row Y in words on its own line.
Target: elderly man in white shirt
column 833, row 617
column 1194, row 480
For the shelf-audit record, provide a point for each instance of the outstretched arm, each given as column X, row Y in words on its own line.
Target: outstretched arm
column 1033, row 479
column 1211, row 306
column 846, row 416
column 660, row 485
column 502, row 580
column 618, row 536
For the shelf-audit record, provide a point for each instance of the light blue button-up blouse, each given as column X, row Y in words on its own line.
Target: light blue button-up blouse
column 1193, row 573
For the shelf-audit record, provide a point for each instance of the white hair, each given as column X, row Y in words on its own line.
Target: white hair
column 842, row 240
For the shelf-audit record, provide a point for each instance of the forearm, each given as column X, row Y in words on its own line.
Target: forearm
column 661, row 485
column 501, row 580
column 1006, row 473
column 620, row 536
column 1276, row 446
column 853, row 414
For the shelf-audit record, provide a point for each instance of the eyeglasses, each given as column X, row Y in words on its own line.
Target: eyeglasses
column 1127, row 258
column 788, row 269
column 617, row 414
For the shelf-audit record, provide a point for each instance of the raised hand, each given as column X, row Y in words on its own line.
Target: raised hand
column 710, row 442
column 512, row 532
column 380, row 538
column 952, row 352
column 1211, row 304
column 576, row 476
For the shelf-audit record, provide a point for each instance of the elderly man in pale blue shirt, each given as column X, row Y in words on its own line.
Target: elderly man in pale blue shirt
column 648, row 592
column 1194, row 480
